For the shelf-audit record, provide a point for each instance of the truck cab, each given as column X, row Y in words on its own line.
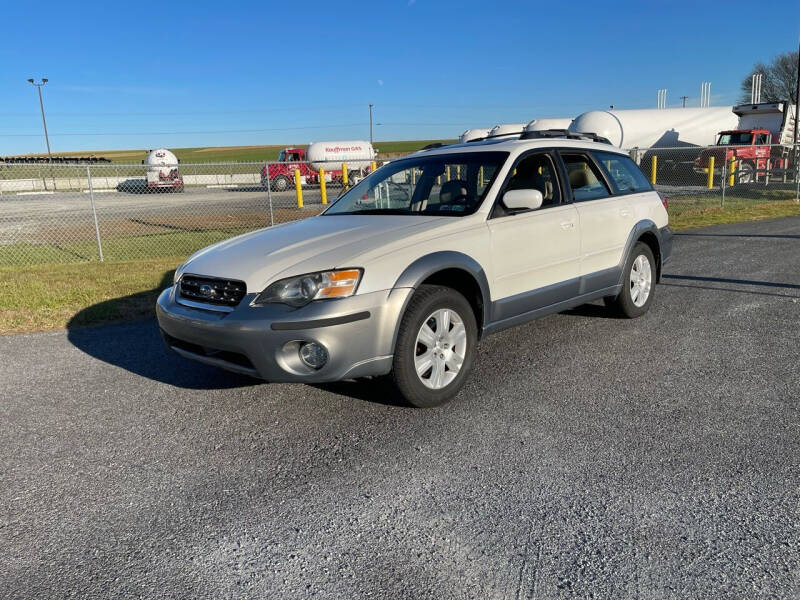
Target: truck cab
column 758, row 145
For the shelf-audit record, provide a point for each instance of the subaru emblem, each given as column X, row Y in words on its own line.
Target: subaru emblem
column 207, row 291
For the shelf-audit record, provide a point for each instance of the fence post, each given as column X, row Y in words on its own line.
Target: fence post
column 269, row 198
column 653, row 169
column 732, row 173
column 298, row 188
column 710, row 183
column 322, row 189
column 723, row 182
column 94, row 214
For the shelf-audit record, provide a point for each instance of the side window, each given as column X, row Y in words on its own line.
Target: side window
column 537, row 172
column 623, row 173
column 584, row 178
column 761, row 139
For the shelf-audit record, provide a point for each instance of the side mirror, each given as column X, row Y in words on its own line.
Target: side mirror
column 527, row 199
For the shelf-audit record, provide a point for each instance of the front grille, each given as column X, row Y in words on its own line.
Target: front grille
column 210, row 290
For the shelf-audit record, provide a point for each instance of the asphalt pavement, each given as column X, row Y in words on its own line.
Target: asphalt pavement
column 587, row 457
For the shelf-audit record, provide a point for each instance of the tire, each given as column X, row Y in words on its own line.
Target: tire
column 746, row 173
column 280, row 183
column 629, row 301
column 436, row 384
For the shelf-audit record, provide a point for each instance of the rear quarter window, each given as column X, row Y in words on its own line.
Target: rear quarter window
column 624, row 174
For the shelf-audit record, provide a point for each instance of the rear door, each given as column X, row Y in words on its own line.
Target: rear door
column 535, row 254
column 605, row 219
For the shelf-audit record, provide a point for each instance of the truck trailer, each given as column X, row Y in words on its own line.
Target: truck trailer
column 162, row 171
column 358, row 155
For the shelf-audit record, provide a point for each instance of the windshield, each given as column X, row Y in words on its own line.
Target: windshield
column 444, row 184
column 282, row 156
column 735, row 139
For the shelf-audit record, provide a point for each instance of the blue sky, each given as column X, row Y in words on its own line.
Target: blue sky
column 128, row 75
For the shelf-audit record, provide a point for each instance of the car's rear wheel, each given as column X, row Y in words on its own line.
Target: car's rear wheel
column 638, row 283
column 435, row 346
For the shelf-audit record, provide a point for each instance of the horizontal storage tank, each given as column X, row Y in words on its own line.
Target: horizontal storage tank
column 472, row 134
column 328, row 155
column 654, row 128
column 161, row 157
column 553, row 123
column 507, row 129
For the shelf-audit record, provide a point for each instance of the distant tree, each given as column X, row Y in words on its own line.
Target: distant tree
column 779, row 80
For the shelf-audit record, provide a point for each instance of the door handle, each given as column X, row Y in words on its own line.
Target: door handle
column 567, row 224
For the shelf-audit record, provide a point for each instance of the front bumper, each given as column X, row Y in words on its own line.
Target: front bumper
column 358, row 333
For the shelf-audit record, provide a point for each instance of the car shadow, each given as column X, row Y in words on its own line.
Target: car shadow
column 594, row 311
column 137, row 346
column 377, row 390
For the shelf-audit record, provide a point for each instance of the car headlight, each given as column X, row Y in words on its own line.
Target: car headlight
column 178, row 272
column 302, row 289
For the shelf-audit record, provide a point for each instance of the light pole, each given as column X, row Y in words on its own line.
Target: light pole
column 44, row 121
column 370, row 123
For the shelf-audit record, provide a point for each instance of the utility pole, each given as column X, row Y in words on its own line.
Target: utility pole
column 796, row 117
column 370, row 123
column 683, row 98
column 38, row 87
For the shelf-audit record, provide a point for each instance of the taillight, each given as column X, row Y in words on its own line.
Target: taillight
column 264, row 170
column 663, row 200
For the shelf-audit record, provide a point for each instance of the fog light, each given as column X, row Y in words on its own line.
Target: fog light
column 313, row 355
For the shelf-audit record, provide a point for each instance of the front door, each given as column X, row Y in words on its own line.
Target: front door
column 535, row 253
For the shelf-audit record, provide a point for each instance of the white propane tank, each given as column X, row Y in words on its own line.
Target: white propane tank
column 472, row 134
column 506, row 129
column 330, row 155
column 657, row 128
column 162, row 169
column 543, row 124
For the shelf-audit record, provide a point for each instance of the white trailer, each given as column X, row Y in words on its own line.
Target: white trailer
column 357, row 154
column 549, row 123
column 657, row 128
column 473, row 134
column 162, row 171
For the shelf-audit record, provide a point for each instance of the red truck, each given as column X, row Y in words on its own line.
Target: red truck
column 279, row 175
column 762, row 142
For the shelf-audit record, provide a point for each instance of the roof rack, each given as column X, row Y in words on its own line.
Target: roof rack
column 495, row 136
column 547, row 133
column 563, row 133
column 433, row 146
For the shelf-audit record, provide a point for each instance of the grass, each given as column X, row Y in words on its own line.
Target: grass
column 49, row 296
column 43, row 297
column 205, row 154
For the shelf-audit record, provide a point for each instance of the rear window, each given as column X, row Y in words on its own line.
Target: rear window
column 625, row 176
column 584, row 178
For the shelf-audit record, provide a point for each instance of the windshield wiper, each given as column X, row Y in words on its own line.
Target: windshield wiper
column 377, row 211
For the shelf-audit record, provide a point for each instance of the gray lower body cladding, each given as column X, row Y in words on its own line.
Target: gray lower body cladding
column 262, row 341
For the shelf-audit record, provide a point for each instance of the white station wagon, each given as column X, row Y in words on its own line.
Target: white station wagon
column 410, row 268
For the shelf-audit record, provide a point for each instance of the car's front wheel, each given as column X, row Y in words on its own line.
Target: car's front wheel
column 638, row 283
column 435, row 346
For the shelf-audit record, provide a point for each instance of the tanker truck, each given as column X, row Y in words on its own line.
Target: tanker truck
column 761, row 143
column 162, row 171
column 679, row 134
column 358, row 156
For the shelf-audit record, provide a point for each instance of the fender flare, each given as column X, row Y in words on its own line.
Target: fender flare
column 642, row 227
column 425, row 266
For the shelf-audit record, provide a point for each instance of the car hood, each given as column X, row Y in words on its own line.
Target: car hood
column 313, row 244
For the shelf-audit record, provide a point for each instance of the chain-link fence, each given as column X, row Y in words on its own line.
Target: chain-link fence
column 65, row 213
